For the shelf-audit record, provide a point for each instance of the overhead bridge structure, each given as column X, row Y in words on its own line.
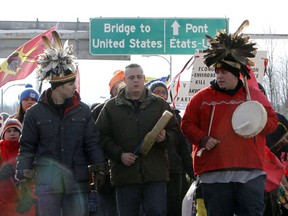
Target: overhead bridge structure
column 14, row 34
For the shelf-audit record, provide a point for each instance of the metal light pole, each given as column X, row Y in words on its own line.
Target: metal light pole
column 169, row 61
column 3, row 91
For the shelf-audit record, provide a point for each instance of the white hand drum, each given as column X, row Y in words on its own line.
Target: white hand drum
column 249, row 119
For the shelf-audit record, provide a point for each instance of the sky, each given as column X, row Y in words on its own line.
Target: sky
column 264, row 17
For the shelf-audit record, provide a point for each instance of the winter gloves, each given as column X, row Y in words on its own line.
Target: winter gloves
column 98, row 172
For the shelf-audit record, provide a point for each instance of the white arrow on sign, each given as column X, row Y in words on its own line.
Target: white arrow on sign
column 175, row 27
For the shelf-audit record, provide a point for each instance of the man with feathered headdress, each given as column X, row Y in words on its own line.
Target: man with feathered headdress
column 59, row 138
column 230, row 164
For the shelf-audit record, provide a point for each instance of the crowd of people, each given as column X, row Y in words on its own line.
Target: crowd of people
column 57, row 152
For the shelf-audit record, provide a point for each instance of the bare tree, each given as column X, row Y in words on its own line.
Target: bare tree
column 276, row 77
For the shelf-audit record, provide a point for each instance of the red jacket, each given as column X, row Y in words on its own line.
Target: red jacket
column 233, row 151
column 8, row 190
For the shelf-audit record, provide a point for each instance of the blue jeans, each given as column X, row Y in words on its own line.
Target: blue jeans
column 151, row 197
column 107, row 202
column 225, row 199
column 61, row 204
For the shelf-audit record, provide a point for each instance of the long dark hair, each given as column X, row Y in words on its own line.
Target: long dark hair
column 20, row 113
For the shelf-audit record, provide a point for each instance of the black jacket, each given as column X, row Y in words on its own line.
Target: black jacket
column 59, row 145
column 272, row 139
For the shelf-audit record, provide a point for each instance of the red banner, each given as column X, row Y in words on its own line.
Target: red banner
column 23, row 61
column 274, row 170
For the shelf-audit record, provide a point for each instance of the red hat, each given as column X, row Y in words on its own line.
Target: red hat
column 11, row 123
column 118, row 75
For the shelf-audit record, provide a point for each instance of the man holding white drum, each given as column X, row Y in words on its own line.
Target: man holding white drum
column 229, row 159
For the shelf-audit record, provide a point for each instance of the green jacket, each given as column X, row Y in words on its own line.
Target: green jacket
column 123, row 127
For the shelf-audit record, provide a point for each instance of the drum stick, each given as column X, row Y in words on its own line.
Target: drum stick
column 248, row 97
column 211, row 120
column 242, row 125
column 199, row 153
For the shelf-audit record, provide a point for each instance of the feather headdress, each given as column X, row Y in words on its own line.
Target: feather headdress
column 57, row 63
column 231, row 51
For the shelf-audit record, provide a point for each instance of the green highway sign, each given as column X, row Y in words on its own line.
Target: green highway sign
column 151, row 35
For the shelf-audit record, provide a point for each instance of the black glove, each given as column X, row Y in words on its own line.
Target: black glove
column 26, row 200
column 98, row 172
column 98, row 181
column 6, row 171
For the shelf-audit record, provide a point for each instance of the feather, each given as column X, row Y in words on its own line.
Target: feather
column 209, row 38
column 57, row 41
column 231, row 47
column 241, row 28
column 251, row 63
column 56, row 58
column 47, row 42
